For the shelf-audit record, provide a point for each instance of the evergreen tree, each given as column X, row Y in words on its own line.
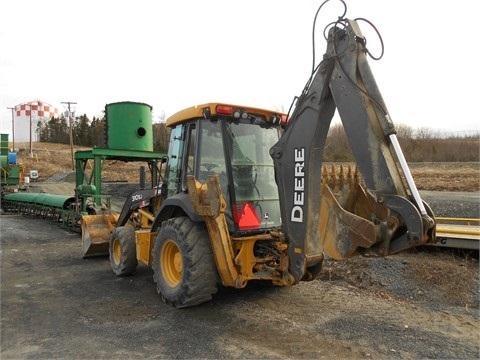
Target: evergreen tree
column 82, row 131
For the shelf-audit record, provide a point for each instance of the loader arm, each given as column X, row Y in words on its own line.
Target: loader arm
column 136, row 200
column 373, row 212
column 97, row 229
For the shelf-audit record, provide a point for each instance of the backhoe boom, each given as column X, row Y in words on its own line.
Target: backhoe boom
column 378, row 214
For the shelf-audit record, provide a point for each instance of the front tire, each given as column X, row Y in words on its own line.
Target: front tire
column 183, row 264
column 123, row 252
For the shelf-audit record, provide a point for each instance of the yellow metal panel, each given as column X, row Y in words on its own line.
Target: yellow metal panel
column 208, row 201
column 144, row 242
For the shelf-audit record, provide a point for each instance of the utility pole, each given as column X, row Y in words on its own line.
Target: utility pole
column 31, row 147
column 13, row 127
column 70, row 118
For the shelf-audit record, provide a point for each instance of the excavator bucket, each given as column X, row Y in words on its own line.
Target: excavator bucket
column 96, row 230
column 342, row 230
column 357, row 221
column 352, row 221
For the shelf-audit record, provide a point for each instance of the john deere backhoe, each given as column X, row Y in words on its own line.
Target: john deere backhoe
column 245, row 195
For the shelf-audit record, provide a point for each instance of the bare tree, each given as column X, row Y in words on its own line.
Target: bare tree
column 337, row 147
column 404, row 131
column 424, row 133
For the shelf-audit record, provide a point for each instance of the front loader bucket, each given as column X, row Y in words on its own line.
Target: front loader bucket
column 96, row 230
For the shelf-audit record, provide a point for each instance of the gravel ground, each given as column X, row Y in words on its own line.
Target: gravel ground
column 56, row 305
column 420, row 304
column 453, row 204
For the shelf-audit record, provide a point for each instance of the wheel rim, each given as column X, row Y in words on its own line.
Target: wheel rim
column 171, row 263
column 117, row 251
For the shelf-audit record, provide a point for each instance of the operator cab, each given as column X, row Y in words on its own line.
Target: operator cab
column 234, row 143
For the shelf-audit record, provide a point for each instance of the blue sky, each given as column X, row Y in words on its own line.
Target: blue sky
column 175, row 54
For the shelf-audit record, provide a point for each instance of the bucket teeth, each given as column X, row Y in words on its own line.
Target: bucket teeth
column 340, row 179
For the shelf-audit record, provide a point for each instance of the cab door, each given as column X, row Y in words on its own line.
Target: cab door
column 181, row 157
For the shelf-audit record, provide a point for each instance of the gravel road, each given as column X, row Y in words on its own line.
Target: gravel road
column 453, row 204
column 415, row 305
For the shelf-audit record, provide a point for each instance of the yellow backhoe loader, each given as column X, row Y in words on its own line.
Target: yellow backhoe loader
column 245, row 195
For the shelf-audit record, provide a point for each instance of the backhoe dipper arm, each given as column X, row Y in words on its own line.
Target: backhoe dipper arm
column 340, row 215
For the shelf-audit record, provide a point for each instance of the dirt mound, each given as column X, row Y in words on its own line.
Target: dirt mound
column 429, row 276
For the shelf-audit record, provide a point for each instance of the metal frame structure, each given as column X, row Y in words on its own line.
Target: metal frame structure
column 98, row 155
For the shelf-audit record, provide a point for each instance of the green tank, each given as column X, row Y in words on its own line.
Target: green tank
column 4, row 144
column 129, row 126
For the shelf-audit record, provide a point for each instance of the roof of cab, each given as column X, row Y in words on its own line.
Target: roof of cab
column 196, row 111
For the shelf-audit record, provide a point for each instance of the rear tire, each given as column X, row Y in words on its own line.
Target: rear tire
column 183, row 264
column 123, row 252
